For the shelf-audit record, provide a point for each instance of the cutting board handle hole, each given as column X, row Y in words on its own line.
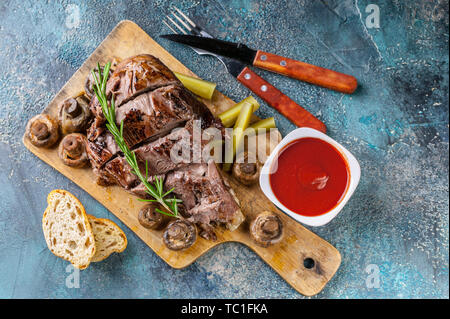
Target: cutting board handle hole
column 308, row 263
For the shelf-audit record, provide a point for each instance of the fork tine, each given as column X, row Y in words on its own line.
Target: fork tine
column 182, row 22
column 176, row 25
column 168, row 25
column 185, row 17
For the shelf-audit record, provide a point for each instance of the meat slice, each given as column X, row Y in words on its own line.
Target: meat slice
column 141, row 191
column 207, row 199
column 153, row 113
column 134, row 76
column 166, row 153
column 122, row 172
column 170, row 152
column 103, row 178
column 150, row 102
column 100, row 146
column 157, row 112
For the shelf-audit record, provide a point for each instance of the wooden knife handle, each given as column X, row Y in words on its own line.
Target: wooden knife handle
column 306, row 72
column 279, row 101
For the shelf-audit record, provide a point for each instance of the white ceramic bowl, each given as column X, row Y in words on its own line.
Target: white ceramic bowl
column 354, row 172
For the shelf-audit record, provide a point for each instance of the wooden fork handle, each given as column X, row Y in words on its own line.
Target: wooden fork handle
column 305, row 72
column 279, row 101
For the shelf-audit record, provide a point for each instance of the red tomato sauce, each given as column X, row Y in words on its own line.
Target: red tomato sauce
column 311, row 176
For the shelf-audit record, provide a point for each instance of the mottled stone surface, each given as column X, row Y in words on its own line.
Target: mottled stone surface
column 396, row 124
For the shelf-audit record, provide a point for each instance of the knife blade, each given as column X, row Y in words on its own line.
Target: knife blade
column 289, row 67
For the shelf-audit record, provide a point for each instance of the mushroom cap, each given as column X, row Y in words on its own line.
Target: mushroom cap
column 72, row 150
column 266, row 229
column 42, row 130
column 150, row 218
column 180, row 234
column 74, row 114
column 89, row 83
column 247, row 168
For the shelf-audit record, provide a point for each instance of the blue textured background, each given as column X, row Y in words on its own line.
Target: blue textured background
column 396, row 124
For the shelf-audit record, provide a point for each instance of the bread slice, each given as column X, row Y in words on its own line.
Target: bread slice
column 67, row 230
column 109, row 238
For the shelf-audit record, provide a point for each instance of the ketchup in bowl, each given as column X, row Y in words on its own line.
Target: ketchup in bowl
column 311, row 176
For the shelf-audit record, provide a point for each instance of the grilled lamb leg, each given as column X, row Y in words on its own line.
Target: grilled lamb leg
column 151, row 102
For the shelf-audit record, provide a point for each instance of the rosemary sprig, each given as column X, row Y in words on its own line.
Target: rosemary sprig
column 155, row 190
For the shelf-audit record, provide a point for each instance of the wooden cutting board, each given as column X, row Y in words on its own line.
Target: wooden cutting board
column 286, row 258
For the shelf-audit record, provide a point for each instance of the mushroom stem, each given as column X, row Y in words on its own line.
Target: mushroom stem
column 150, row 218
column 40, row 130
column 72, row 108
column 72, row 150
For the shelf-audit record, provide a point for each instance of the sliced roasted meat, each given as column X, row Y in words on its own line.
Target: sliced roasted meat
column 141, row 191
column 146, row 117
column 173, row 151
column 42, row 130
column 167, row 153
column 134, row 76
column 266, row 229
column 206, row 198
column 206, row 231
column 150, row 102
column 100, row 146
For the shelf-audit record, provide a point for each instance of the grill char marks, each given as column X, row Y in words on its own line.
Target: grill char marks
column 151, row 102
column 155, row 113
column 101, row 146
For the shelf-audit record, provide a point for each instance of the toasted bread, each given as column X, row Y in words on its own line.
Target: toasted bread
column 67, row 230
column 109, row 238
